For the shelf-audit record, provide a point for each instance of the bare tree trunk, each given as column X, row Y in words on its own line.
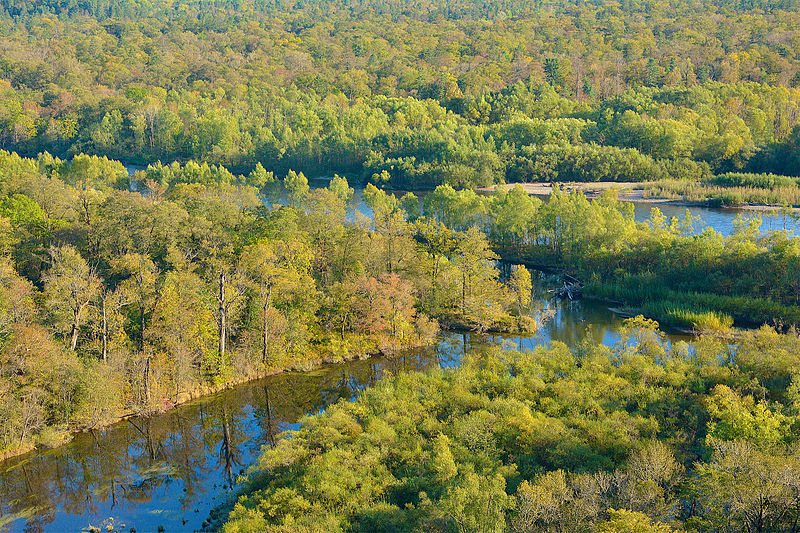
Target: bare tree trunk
column 147, row 380
column 265, row 330
column 141, row 320
column 75, row 326
column 105, row 327
column 463, row 294
column 222, row 312
column 434, row 277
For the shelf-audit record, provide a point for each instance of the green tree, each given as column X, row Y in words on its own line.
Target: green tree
column 479, row 298
column 624, row 521
column 259, row 177
column 476, row 503
column 296, row 186
column 520, row 285
column 341, row 188
column 70, row 285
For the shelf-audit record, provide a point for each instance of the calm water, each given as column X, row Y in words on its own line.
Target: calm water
column 717, row 218
column 170, row 470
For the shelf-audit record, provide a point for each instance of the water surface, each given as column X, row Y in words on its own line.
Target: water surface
column 171, row 469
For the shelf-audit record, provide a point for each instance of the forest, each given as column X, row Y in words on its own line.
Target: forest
column 644, row 436
column 185, row 278
column 179, row 215
column 197, row 284
column 677, row 269
column 412, row 95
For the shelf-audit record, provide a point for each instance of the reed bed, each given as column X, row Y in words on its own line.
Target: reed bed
column 732, row 189
column 685, row 309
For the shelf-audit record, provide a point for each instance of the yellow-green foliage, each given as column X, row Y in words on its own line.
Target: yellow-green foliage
column 130, row 316
column 548, row 440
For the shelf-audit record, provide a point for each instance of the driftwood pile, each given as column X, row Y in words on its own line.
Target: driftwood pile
column 572, row 288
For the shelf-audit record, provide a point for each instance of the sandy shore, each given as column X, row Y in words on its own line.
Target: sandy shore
column 545, row 189
column 628, row 191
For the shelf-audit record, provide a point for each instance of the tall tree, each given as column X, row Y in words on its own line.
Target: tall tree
column 70, row 285
column 138, row 276
column 479, row 299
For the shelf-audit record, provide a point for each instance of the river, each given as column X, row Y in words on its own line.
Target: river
column 171, row 469
column 168, row 471
column 721, row 219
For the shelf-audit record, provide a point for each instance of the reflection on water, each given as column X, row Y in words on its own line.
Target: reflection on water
column 718, row 218
column 171, row 469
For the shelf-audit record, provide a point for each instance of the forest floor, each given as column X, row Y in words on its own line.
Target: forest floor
column 628, row 192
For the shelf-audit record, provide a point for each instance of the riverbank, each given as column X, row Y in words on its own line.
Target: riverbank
column 373, row 348
column 168, row 467
column 627, row 191
column 163, row 405
column 635, row 192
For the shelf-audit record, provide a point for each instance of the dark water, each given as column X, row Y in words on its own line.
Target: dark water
column 721, row 219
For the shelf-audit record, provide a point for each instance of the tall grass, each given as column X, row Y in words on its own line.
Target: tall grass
column 732, row 189
column 760, row 181
column 675, row 305
column 679, row 315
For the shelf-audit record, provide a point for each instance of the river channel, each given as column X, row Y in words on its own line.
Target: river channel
column 168, row 471
column 171, row 469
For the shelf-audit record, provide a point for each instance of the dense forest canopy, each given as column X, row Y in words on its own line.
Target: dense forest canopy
column 410, row 94
column 674, row 269
column 198, row 281
column 216, row 261
column 640, row 437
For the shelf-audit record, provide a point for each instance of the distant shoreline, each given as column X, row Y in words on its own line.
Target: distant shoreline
column 628, row 192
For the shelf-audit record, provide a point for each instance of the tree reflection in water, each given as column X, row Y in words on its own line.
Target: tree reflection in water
column 172, row 468
column 228, row 451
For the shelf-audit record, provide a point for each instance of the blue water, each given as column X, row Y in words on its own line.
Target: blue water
column 720, row 219
column 171, row 469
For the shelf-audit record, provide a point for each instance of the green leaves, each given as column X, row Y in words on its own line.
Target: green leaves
column 296, row 186
column 543, row 441
column 734, row 417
